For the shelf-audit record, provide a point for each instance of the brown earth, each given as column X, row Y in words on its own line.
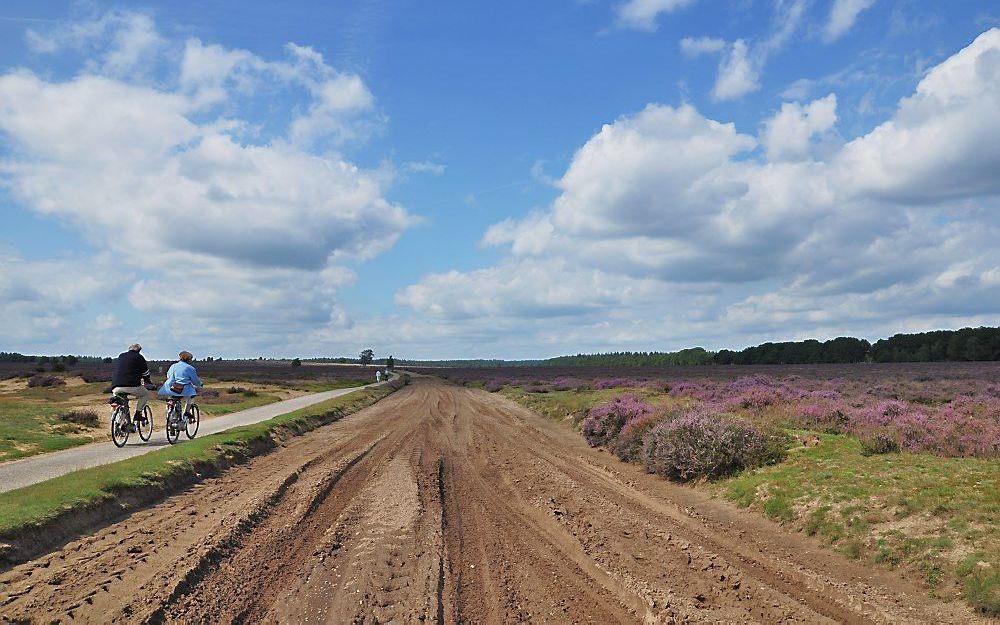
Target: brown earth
column 446, row 504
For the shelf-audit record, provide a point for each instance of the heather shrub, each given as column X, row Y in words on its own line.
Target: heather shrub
column 42, row 380
column 703, row 444
column 604, row 422
column 95, row 376
column 208, row 392
column 825, row 416
column 88, row 418
column 627, row 446
column 878, row 442
column 569, row 384
column 606, row 383
column 493, row 385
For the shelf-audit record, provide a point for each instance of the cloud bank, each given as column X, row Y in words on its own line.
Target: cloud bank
column 672, row 229
column 218, row 227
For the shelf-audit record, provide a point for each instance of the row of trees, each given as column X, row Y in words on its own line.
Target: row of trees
column 691, row 356
column 68, row 360
column 969, row 344
column 839, row 350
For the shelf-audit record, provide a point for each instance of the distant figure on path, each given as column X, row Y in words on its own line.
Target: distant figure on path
column 131, row 376
column 182, row 381
column 378, row 375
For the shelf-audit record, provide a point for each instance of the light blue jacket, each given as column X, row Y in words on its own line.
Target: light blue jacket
column 182, row 373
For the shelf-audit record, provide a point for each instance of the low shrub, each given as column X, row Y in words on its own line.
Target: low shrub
column 878, row 442
column 604, row 422
column 704, row 444
column 234, row 390
column 493, row 386
column 88, row 418
column 42, row 380
column 209, row 392
column 94, row 376
column 628, row 444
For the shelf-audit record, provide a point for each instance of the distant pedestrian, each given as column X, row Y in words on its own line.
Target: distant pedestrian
column 378, row 375
column 131, row 376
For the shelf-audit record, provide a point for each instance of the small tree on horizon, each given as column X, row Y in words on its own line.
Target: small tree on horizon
column 390, row 363
column 366, row 357
column 296, row 363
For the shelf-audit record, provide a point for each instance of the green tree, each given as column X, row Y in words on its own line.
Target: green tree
column 366, row 357
column 296, row 363
column 390, row 363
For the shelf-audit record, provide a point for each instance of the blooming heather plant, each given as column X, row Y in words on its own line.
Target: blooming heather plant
column 628, row 444
column 823, row 415
column 606, row 383
column 604, row 422
column 703, row 444
column 565, row 383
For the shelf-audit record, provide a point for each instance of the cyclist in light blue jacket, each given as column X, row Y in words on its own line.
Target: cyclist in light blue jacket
column 182, row 381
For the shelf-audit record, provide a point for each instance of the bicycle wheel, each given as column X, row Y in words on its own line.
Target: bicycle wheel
column 145, row 423
column 120, row 426
column 193, row 421
column 173, row 431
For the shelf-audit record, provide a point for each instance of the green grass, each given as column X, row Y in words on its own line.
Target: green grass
column 319, row 387
column 28, row 428
column 225, row 408
column 25, row 507
column 914, row 512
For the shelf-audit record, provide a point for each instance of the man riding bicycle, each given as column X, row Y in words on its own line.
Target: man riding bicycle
column 131, row 376
column 182, row 381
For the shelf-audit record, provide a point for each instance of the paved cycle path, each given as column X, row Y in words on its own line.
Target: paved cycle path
column 27, row 471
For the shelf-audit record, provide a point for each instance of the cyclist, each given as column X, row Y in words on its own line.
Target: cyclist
column 131, row 376
column 182, row 381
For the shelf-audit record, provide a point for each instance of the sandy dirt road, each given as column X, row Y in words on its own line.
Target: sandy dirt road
column 448, row 505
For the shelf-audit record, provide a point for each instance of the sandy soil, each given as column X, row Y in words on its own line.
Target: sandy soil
column 450, row 505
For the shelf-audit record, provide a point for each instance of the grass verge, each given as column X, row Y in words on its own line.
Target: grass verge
column 38, row 517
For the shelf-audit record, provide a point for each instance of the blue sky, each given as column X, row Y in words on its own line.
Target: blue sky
column 461, row 180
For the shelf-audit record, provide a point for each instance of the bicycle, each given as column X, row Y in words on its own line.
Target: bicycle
column 122, row 423
column 176, row 419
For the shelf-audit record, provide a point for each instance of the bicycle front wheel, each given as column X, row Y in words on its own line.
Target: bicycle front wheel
column 145, row 424
column 192, row 421
column 120, row 426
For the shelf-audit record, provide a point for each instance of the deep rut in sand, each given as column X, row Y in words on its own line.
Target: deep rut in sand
column 449, row 505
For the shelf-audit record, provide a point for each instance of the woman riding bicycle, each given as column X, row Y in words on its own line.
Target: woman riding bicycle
column 182, row 381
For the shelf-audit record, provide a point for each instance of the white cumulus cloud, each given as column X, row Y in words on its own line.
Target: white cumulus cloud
column 669, row 232
column 787, row 135
column 218, row 216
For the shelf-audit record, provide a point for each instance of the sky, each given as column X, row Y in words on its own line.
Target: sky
column 515, row 180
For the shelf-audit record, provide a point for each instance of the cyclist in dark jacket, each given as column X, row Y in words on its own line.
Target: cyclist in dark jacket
column 131, row 376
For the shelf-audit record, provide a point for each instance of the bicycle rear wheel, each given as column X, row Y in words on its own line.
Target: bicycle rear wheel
column 145, row 423
column 193, row 421
column 120, row 426
column 173, row 428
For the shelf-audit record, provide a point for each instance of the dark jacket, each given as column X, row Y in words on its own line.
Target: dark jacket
column 131, row 370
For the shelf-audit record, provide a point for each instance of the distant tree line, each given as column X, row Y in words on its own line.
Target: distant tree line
column 685, row 357
column 69, row 360
column 966, row 344
column 839, row 350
